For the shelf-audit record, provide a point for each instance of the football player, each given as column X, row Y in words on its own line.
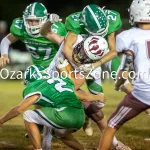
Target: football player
column 83, row 51
column 61, row 110
column 94, row 20
column 27, row 29
column 121, row 45
column 135, row 43
column 75, row 27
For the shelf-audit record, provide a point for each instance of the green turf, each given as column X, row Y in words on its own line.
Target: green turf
column 12, row 133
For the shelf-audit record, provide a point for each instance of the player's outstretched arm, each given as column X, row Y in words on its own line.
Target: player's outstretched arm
column 68, row 45
column 46, row 31
column 111, row 54
column 15, row 111
column 4, row 47
column 84, row 96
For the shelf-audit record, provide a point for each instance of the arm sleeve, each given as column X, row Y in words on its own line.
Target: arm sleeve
column 4, row 46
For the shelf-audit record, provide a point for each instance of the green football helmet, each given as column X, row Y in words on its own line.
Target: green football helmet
column 95, row 20
column 35, row 12
column 35, row 72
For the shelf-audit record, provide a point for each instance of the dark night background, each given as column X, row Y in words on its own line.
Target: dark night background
column 10, row 9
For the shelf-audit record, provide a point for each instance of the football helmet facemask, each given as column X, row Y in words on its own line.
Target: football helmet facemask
column 37, row 13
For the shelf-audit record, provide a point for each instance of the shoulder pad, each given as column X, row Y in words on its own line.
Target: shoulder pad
column 17, row 28
column 115, row 22
column 59, row 28
column 72, row 22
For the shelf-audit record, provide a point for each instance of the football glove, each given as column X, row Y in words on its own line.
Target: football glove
column 61, row 63
column 53, row 18
column 86, row 68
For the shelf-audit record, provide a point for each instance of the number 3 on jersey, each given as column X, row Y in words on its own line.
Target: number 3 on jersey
column 35, row 52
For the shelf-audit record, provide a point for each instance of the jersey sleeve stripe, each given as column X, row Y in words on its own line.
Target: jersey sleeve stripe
column 31, row 94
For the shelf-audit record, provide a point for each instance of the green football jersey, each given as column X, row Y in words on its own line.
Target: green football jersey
column 73, row 23
column 54, row 92
column 42, row 50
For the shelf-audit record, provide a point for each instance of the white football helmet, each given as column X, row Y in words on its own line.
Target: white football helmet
column 95, row 47
column 139, row 11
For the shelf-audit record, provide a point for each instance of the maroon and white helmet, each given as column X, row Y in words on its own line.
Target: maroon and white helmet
column 95, row 47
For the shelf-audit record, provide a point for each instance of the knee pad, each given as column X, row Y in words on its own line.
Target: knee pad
column 93, row 111
column 97, row 116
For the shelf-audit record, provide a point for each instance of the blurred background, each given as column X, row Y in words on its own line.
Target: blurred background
column 11, row 9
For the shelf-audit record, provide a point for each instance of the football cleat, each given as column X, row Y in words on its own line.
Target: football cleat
column 87, row 127
column 121, row 146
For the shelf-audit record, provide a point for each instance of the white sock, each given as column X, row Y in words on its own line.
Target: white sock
column 115, row 141
column 47, row 139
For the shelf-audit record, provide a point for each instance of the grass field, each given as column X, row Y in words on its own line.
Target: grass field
column 12, row 133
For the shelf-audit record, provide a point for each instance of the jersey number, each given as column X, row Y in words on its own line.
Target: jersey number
column 34, row 53
column 111, row 16
column 19, row 24
column 55, row 30
column 75, row 17
column 59, row 86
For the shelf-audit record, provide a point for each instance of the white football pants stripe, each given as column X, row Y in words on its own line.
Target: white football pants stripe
column 120, row 115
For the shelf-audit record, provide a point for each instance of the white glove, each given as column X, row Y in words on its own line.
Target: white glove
column 61, row 63
column 86, row 68
column 54, row 18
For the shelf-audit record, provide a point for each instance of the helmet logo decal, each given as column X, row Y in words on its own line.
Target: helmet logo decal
column 94, row 47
